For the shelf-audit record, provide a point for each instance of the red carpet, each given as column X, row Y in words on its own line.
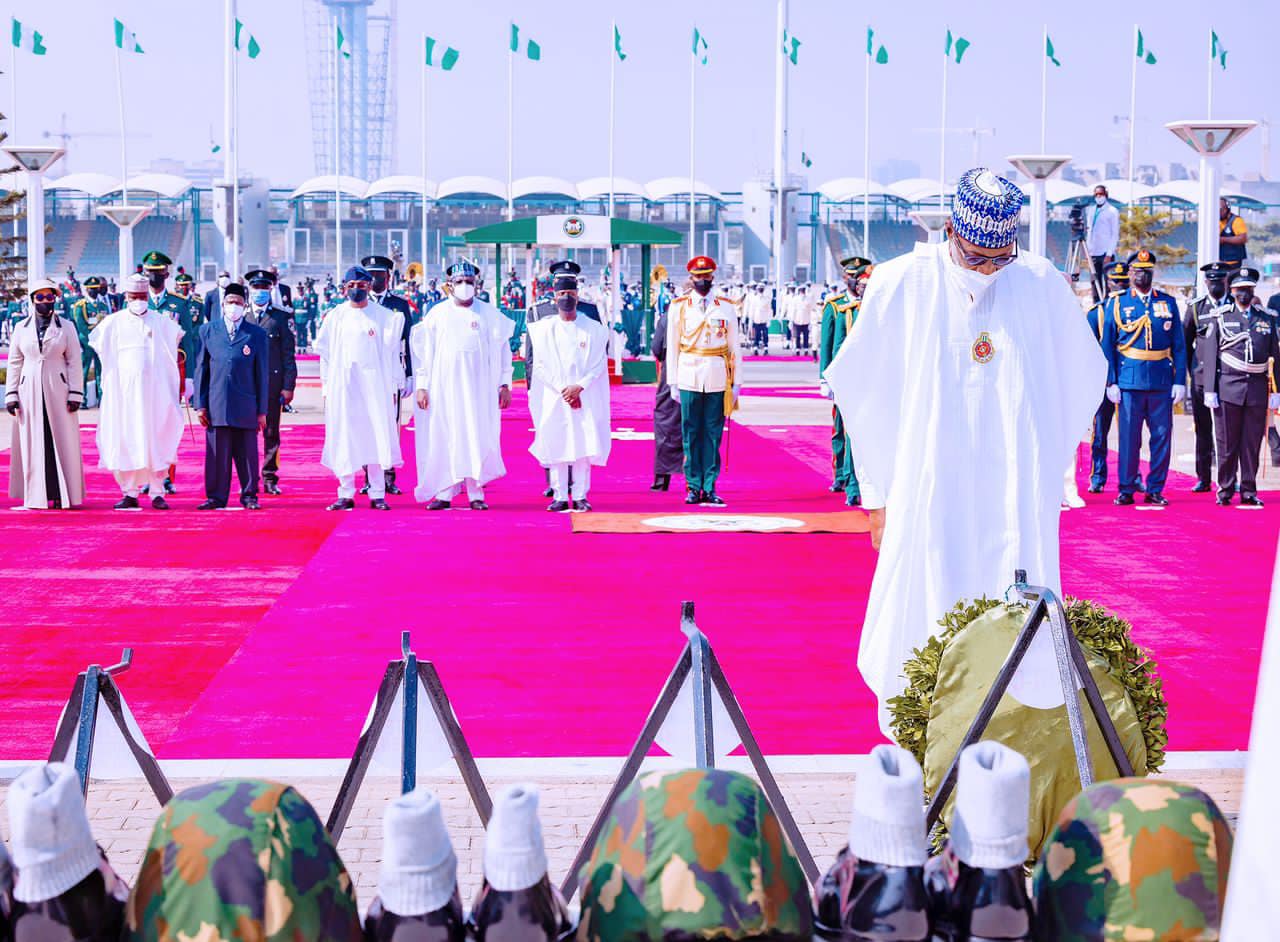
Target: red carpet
column 264, row 635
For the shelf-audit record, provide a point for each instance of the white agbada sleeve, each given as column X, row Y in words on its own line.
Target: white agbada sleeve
column 421, row 348
column 324, row 346
column 393, row 365
column 503, row 328
column 598, row 359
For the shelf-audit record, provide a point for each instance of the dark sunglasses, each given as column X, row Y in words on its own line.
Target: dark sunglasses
column 44, row 296
column 974, row 261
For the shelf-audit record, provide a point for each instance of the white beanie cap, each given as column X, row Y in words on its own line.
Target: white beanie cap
column 514, row 856
column 993, row 798
column 888, row 810
column 53, row 845
column 419, row 871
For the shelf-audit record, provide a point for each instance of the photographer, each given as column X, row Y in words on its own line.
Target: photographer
column 1103, row 237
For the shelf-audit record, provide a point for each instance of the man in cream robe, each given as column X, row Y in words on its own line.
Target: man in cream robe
column 965, row 384
column 461, row 354
column 360, row 374
column 140, row 421
column 569, row 402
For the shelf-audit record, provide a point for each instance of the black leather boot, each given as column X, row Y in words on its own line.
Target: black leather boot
column 974, row 903
column 861, row 900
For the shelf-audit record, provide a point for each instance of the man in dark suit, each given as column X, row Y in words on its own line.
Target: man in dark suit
column 379, row 268
column 211, row 305
column 231, row 387
column 284, row 291
column 283, row 368
column 564, row 293
column 1195, row 320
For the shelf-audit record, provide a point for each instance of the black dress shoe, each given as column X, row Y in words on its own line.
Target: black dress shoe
column 393, row 490
column 250, row 503
column 558, row 507
column 342, row 503
column 159, row 503
column 711, row 499
column 209, row 505
column 364, row 489
column 1155, row 498
column 1250, row 502
column 661, row 482
column 1224, row 500
column 479, row 505
column 1124, row 500
column 1095, row 488
column 581, row 506
column 693, row 497
column 976, row 903
column 437, row 504
column 858, row 899
column 379, row 503
column 1201, row 487
column 854, row 501
column 835, row 487
column 549, row 492
column 168, row 487
column 272, row 488
column 126, row 503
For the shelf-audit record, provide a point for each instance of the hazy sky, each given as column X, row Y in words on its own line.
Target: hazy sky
column 174, row 91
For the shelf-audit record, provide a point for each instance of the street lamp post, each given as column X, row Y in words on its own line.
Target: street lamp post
column 35, row 161
column 932, row 220
column 1038, row 168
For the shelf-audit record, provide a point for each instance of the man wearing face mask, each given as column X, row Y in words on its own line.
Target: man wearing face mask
column 379, row 268
column 1241, row 347
column 360, row 372
column 1146, row 352
column 184, row 286
column 282, row 369
column 462, row 374
column 563, row 297
column 1103, row 236
column 704, row 367
column 140, row 421
column 212, row 303
column 155, row 265
column 966, row 383
column 88, row 313
column 232, row 390
column 1195, row 323
column 1117, row 282
column 839, row 312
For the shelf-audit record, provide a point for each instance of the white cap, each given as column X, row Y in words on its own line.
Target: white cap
column 888, row 810
column 53, row 846
column 514, row 857
column 419, row 871
column 993, row 798
column 136, row 282
column 41, row 284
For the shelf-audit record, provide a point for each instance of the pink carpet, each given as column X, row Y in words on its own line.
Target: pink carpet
column 264, row 635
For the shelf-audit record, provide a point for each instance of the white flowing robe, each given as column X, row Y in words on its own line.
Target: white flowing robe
column 360, row 372
column 965, row 456
column 140, row 420
column 461, row 357
column 569, row 353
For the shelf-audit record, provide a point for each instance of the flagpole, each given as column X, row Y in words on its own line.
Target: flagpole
column 779, row 149
column 613, row 68
column 693, row 99
column 1209, row 109
column 942, row 149
column 1133, row 109
column 1044, row 87
column 423, row 122
column 337, row 154
column 13, row 90
column 866, row 154
column 234, row 143
column 228, row 97
column 615, row 253
column 124, row 152
column 511, row 58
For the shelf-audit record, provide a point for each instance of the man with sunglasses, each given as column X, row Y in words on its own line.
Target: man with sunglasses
column 967, row 382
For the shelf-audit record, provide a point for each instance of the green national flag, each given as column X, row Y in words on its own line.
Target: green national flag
column 344, row 49
column 1143, row 52
column 33, row 44
column 251, row 47
column 804, row 159
column 126, row 39
column 215, row 148
column 617, row 44
column 1048, row 51
column 791, row 48
column 881, row 55
column 531, row 49
column 447, row 60
column 1216, row 51
column 956, row 47
column 699, row 45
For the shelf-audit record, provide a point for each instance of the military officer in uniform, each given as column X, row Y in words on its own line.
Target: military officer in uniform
column 184, row 286
column 1117, row 275
column 1239, row 353
column 155, row 265
column 564, row 290
column 86, row 314
column 1146, row 354
column 839, row 311
column 282, row 368
column 1195, row 322
column 379, row 268
column 704, row 367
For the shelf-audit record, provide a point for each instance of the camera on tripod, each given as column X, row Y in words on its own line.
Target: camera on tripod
column 1076, row 219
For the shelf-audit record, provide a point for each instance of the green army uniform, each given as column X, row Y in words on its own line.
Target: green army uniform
column 194, row 301
column 178, row 310
column 87, row 313
column 839, row 313
column 697, row 854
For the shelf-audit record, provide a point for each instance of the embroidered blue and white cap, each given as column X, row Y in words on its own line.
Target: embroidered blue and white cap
column 986, row 209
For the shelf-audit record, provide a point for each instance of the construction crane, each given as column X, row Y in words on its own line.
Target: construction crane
column 66, row 137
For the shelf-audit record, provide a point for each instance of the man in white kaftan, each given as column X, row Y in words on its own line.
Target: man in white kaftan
column 360, row 374
column 965, row 382
column 461, row 353
column 569, row 400
column 140, row 422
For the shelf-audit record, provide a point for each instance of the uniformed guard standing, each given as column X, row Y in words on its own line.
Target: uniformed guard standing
column 1240, row 349
column 704, row 367
column 564, row 290
column 839, row 311
column 282, row 368
column 155, row 265
column 1147, row 367
column 184, row 286
column 1117, row 275
column 1195, row 322
column 379, row 268
column 87, row 313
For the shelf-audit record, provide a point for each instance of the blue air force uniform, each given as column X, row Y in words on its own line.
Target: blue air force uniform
column 1143, row 340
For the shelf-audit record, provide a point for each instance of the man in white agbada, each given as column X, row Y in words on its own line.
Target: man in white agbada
column 461, row 353
column 569, row 396
column 966, row 384
column 360, row 374
column 140, row 422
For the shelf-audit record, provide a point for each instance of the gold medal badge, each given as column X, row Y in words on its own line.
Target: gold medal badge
column 984, row 350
